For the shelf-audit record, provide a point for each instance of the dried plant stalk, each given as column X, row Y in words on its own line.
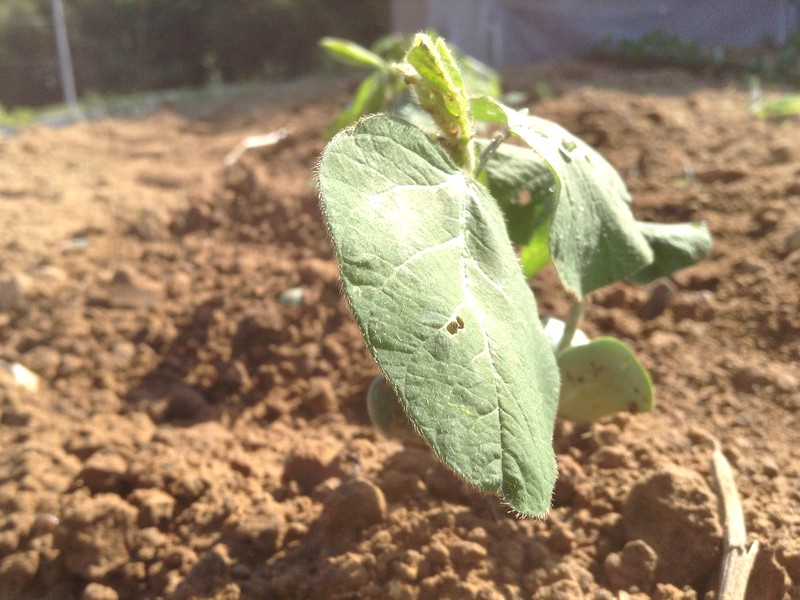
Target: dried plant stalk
column 737, row 560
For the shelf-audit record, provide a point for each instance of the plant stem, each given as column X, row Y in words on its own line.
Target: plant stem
column 498, row 138
column 571, row 323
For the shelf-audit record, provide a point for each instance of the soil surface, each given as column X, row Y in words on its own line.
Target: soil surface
column 199, row 427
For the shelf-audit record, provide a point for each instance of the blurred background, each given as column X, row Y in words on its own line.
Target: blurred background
column 124, row 46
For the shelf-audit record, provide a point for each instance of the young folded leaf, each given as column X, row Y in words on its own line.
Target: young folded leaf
column 436, row 80
column 352, row 54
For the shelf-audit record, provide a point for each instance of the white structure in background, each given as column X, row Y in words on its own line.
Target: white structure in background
column 513, row 32
column 65, row 61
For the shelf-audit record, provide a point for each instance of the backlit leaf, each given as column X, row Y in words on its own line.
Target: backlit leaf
column 436, row 289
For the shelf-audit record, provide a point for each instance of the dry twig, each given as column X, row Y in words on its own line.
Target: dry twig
column 256, row 141
column 737, row 560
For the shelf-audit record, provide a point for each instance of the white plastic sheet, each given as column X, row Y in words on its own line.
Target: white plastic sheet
column 509, row 32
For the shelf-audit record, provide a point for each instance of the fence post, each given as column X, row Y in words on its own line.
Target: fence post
column 65, row 61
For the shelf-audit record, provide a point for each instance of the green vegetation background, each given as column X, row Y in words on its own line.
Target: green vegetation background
column 122, row 46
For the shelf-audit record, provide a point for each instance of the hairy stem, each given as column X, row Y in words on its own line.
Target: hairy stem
column 571, row 323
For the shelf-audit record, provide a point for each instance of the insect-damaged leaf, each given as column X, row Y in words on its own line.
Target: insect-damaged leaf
column 435, row 287
column 593, row 238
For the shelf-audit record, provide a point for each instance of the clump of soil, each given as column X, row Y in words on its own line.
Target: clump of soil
column 199, row 427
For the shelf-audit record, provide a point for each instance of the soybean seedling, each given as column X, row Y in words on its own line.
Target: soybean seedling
column 437, row 231
column 384, row 89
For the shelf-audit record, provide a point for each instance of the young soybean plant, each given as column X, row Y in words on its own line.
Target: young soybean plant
column 425, row 227
column 384, row 89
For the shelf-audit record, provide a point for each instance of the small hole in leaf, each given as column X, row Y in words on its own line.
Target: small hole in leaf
column 455, row 325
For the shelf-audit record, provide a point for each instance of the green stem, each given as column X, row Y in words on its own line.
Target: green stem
column 464, row 154
column 571, row 324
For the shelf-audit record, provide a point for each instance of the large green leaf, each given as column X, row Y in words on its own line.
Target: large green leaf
column 675, row 246
column 594, row 239
column 435, row 287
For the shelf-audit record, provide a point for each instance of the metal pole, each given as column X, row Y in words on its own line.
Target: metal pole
column 65, row 61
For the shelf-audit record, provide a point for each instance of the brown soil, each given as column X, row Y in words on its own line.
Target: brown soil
column 193, row 436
